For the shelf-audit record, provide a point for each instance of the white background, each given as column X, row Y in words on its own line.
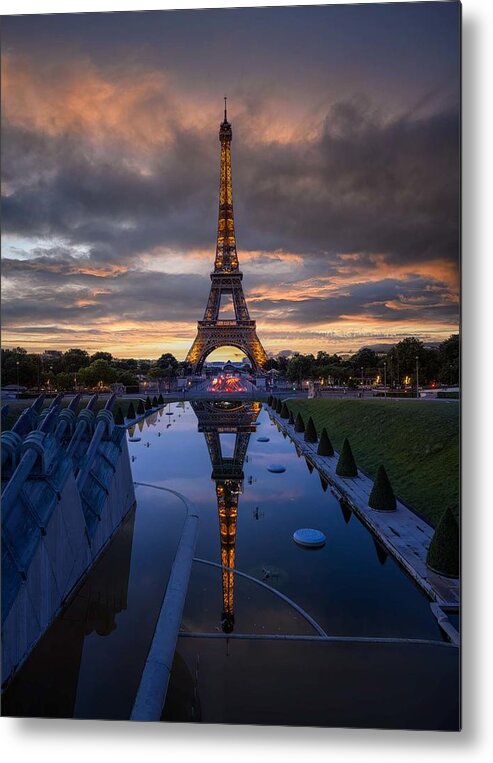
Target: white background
column 121, row 742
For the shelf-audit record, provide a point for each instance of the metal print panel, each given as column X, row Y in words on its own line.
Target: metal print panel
column 231, row 366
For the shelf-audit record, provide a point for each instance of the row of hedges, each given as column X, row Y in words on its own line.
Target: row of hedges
column 418, row 442
column 142, row 408
column 444, row 550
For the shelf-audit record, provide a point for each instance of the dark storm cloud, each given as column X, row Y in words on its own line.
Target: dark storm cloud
column 364, row 185
column 149, row 296
column 45, row 293
column 64, row 190
column 386, row 300
column 393, row 49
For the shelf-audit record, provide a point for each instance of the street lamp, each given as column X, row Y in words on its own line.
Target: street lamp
column 362, row 382
column 417, row 376
column 385, row 378
column 17, row 365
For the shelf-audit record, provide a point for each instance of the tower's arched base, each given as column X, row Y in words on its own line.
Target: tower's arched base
column 214, row 334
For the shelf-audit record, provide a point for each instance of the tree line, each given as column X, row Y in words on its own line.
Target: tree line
column 439, row 364
column 65, row 371
column 76, row 368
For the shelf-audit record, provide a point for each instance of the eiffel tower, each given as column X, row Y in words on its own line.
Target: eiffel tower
column 215, row 418
column 226, row 279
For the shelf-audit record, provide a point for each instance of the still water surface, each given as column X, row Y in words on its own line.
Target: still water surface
column 89, row 663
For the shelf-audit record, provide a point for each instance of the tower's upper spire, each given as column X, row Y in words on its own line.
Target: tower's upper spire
column 225, row 131
column 226, row 257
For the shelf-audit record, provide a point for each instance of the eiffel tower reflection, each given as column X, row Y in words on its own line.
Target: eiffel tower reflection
column 216, row 418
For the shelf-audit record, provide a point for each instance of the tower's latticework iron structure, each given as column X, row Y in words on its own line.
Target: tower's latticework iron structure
column 228, row 476
column 226, row 280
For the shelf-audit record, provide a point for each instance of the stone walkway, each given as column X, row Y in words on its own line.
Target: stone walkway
column 401, row 532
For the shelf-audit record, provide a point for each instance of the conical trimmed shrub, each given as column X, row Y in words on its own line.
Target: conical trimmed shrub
column 324, row 483
column 119, row 417
column 160, row 400
column 444, row 550
column 325, row 447
column 140, row 408
column 309, row 465
column 299, row 424
column 269, row 401
column 310, row 431
column 154, row 402
column 346, row 466
column 382, row 496
column 131, row 410
column 274, row 402
column 148, row 404
column 291, row 418
column 279, row 406
column 284, row 411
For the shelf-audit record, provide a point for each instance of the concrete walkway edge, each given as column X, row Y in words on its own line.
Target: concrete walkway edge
column 151, row 694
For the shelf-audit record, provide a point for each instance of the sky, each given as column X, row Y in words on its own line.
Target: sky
column 346, row 175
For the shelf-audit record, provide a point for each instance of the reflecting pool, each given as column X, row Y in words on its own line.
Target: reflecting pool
column 89, row 663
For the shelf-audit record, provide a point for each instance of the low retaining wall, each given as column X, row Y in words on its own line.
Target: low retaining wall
column 57, row 522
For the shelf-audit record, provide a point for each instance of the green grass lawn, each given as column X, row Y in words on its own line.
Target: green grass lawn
column 416, row 441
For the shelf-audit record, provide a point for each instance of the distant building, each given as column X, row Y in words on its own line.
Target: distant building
column 231, row 366
column 51, row 355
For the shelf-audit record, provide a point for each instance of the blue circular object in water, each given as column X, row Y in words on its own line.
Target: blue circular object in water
column 306, row 536
column 276, row 468
column 263, row 439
